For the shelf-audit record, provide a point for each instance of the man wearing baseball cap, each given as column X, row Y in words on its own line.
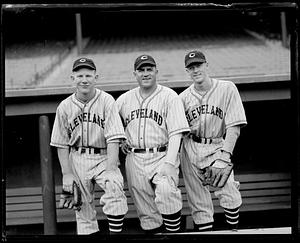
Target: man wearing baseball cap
column 83, row 62
column 194, row 57
column 87, row 131
column 215, row 114
column 154, row 120
column 142, row 60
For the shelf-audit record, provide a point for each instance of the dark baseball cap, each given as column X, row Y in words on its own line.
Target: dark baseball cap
column 84, row 62
column 194, row 57
column 144, row 59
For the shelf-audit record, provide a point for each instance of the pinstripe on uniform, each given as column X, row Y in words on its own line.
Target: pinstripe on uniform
column 209, row 116
column 150, row 123
column 93, row 124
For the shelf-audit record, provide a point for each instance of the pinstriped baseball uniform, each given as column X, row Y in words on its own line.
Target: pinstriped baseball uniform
column 209, row 116
column 150, row 123
column 91, row 126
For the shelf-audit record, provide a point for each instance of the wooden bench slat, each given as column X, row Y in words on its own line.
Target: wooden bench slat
column 263, row 191
column 64, row 215
column 266, row 192
column 243, row 178
column 260, row 185
column 262, row 177
column 20, row 191
column 24, row 199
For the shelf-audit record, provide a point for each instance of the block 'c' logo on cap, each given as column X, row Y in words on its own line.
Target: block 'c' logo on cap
column 192, row 54
column 82, row 60
column 144, row 57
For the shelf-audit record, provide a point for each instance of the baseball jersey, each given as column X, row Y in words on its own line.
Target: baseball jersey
column 152, row 121
column 211, row 114
column 91, row 124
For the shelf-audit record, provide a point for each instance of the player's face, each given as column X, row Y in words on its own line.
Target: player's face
column 146, row 76
column 85, row 80
column 198, row 72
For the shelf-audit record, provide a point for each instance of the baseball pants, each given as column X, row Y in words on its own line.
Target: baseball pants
column 199, row 196
column 153, row 195
column 89, row 169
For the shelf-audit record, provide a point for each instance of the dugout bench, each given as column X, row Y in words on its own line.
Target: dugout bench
column 260, row 191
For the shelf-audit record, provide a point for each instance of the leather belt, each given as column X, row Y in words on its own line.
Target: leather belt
column 91, row 150
column 204, row 140
column 148, row 150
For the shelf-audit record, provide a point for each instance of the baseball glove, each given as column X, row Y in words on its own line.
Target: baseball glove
column 217, row 173
column 71, row 200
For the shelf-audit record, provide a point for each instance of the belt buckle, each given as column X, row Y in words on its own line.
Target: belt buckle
column 82, row 150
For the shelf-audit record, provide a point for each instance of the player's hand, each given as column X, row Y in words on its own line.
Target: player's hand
column 68, row 180
column 71, row 200
column 125, row 148
column 169, row 170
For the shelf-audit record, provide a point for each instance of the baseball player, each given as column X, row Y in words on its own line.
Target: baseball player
column 154, row 120
column 215, row 114
column 87, row 131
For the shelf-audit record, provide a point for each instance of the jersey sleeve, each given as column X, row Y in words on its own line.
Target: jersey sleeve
column 59, row 136
column 120, row 107
column 176, row 119
column 235, row 113
column 113, row 125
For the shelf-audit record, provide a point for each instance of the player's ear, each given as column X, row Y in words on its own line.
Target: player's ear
column 72, row 77
column 96, row 76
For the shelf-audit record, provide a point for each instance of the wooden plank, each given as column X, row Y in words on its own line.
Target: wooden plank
column 23, row 191
column 64, row 215
column 33, row 203
column 262, row 177
column 24, row 214
column 264, row 191
column 242, row 178
column 24, row 221
column 246, row 190
column 260, row 185
column 24, row 199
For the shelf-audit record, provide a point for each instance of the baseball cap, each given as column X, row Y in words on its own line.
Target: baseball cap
column 143, row 59
column 84, row 62
column 194, row 57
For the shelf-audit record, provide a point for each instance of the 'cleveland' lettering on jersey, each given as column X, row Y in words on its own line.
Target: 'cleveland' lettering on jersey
column 204, row 109
column 86, row 117
column 144, row 113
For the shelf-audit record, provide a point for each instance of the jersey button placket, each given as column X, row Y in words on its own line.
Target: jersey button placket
column 202, row 125
column 141, row 129
column 85, row 124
